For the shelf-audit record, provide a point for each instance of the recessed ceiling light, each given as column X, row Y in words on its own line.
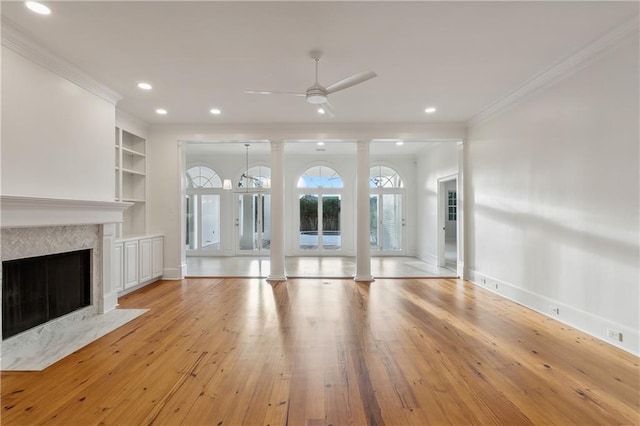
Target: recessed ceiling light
column 320, row 143
column 36, row 7
column 321, row 111
column 215, row 111
column 399, row 143
column 161, row 111
column 430, row 110
column 144, row 86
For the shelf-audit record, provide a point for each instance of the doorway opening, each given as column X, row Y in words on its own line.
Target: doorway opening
column 320, row 205
column 448, row 222
column 386, row 209
column 253, row 212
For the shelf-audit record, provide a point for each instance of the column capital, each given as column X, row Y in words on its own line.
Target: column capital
column 277, row 145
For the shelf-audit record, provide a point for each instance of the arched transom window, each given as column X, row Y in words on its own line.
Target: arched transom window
column 384, row 177
column 203, row 177
column 320, row 177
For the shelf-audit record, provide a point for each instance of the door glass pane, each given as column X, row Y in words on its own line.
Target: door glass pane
column 309, row 222
column 266, row 221
column 392, row 222
column 331, row 236
column 210, row 232
column 373, row 214
column 191, row 205
column 247, row 222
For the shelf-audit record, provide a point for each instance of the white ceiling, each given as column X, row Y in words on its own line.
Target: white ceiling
column 457, row 56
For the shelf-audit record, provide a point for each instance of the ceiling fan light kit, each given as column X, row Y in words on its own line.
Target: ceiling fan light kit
column 318, row 94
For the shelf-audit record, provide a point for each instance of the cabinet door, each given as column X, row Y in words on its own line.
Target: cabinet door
column 145, row 259
column 130, row 263
column 157, row 259
column 118, row 283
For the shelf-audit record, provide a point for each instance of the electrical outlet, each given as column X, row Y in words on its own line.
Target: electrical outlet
column 614, row 334
column 496, row 286
column 555, row 309
column 484, row 281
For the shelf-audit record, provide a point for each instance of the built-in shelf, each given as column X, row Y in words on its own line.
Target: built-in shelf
column 132, row 152
column 133, row 172
column 130, row 170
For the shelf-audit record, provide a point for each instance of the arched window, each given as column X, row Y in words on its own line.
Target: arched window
column 320, row 177
column 256, row 177
column 203, row 177
column 384, row 177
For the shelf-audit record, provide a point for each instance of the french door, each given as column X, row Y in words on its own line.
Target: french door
column 203, row 223
column 387, row 223
column 320, row 222
column 253, row 223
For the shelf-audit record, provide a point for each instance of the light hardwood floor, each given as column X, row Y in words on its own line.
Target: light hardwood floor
column 330, row 352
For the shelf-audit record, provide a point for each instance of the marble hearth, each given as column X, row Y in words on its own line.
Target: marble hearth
column 40, row 226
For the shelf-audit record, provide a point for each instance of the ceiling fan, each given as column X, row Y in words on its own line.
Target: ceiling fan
column 318, row 94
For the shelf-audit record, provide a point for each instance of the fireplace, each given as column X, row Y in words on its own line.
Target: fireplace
column 53, row 229
column 32, row 227
column 38, row 289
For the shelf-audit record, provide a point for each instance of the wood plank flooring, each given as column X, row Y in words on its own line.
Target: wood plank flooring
column 330, row 352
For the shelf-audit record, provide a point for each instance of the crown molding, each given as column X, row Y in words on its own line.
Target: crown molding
column 15, row 38
column 560, row 70
column 234, row 132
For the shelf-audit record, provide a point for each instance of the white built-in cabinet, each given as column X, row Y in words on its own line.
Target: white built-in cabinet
column 141, row 261
column 130, row 264
column 139, row 256
column 144, row 259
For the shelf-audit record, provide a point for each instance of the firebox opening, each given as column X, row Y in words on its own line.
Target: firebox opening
column 39, row 289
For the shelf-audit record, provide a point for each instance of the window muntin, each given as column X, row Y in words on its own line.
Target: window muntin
column 384, row 177
column 452, row 206
column 203, row 177
column 320, row 177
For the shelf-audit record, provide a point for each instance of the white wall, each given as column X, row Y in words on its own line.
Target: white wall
column 437, row 161
column 57, row 138
column 552, row 198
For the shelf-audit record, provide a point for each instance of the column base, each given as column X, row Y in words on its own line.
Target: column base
column 364, row 278
column 276, row 278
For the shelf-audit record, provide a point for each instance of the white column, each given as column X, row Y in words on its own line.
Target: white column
column 108, row 300
column 277, row 271
column 460, row 213
column 363, row 219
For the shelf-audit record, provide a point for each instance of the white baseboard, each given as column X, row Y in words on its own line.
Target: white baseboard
column 429, row 258
column 174, row 273
column 584, row 321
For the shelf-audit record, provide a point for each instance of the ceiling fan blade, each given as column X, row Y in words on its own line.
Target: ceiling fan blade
column 351, row 81
column 272, row 92
column 328, row 109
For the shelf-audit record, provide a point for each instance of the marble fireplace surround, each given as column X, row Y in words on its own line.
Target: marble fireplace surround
column 33, row 226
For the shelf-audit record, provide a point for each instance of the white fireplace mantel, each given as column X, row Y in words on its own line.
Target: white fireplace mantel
column 19, row 212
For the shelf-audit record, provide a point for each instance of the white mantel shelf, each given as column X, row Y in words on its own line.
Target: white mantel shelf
column 20, row 212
